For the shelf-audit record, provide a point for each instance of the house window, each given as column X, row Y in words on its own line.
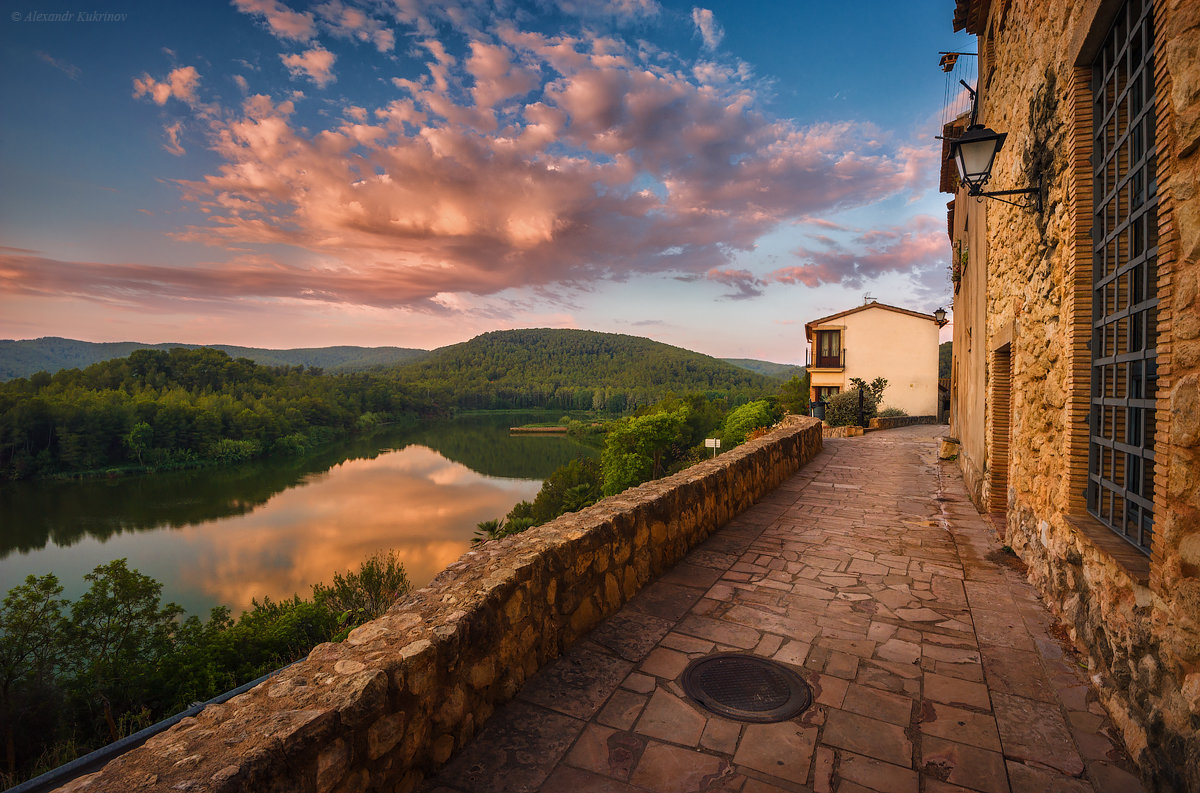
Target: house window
column 829, row 349
column 1124, row 279
column 826, row 391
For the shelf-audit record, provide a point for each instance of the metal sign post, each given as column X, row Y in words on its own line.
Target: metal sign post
column 713, row 443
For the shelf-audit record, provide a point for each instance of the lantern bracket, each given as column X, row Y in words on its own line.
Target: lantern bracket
column 1032, row 196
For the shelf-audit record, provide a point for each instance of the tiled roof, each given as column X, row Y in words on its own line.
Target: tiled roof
column 971, row 15
column 808, row 326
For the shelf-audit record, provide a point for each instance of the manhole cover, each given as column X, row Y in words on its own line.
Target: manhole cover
column 746, row 688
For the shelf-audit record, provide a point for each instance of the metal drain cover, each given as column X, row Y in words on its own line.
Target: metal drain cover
column 746, row 687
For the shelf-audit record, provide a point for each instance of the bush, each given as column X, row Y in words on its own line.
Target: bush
column 636, row 448
column 366, row 594
column 842, row 408
column 229, row 451
column 751, row 416
column 890, row 412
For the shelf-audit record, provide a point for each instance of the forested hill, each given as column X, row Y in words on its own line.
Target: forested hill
column 571, row 369
column 158, row 410
column 776, row 371
column 51, row 354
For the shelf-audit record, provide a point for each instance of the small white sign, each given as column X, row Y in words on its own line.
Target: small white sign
column 712, row 443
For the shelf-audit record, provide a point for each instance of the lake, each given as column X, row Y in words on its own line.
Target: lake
column 224, row 536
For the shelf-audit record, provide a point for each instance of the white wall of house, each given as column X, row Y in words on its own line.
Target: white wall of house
column 884, row 343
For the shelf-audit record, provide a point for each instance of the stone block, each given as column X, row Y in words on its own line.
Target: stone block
column 332, row 763
column 361, row 697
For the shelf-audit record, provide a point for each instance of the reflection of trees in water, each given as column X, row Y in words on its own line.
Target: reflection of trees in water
column 483, row 444
column 65, row 512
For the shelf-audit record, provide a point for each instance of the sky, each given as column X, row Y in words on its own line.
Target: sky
column 412, row 173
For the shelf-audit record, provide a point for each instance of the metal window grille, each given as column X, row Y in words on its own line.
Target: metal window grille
column 1124, row 279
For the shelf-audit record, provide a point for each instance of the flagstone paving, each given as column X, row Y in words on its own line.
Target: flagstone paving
column 930, row 660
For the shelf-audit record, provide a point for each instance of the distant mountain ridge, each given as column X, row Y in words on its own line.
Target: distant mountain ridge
column 572, row 357
column 22, row 358
column 777, row 371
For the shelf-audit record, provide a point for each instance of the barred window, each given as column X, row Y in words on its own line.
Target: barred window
column 1124, row 279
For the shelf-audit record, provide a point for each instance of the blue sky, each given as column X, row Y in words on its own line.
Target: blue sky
column 413, row 173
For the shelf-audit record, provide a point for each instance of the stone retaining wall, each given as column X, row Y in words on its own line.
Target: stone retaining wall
column 391, row 703
column 847, row 431
column 892, row 422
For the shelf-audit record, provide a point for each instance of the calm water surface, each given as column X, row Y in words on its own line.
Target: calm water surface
column 224, row 536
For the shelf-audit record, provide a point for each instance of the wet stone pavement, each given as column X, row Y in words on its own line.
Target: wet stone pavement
column 871, row 574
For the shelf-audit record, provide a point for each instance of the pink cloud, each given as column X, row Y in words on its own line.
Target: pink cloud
column 347, row 22
column 173, row 145
column 533, row 161
column 496, row 77
column 708, row 27
column 69, row 69
column 315, row 64
column 618, row 10
column 283, row 22
column 822, row 223
column 180, row 84
column 141, row 283
column 743, row 283
column 917, row 247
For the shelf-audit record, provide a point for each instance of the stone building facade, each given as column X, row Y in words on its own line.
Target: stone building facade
column 1076, row 380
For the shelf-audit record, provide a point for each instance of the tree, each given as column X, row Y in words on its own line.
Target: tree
column 362, row 595
column 119, row 630
column 874, row 388
column 842, row 409
column 139, row 439
column 31, row 648
column 123, row 660
column 634, row 448
column 750, row 416
column 570, row 488
column 793, row 395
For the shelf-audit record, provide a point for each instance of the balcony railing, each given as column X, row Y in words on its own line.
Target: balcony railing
column 826, row 361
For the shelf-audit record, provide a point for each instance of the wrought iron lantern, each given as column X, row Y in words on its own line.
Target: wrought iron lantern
column 975, row 153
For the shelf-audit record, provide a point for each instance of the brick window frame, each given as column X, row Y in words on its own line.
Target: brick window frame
column 1125, row 294
column 1098, row 16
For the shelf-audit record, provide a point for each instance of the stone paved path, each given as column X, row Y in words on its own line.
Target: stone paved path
column 870, row 572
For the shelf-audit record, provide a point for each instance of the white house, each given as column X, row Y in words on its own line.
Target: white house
column 877, row 340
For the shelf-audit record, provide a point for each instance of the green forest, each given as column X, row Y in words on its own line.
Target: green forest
column 572, row 370
column 157, row 410
column 76, row 675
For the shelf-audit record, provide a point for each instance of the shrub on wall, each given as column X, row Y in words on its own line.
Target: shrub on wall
column 890, row 412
